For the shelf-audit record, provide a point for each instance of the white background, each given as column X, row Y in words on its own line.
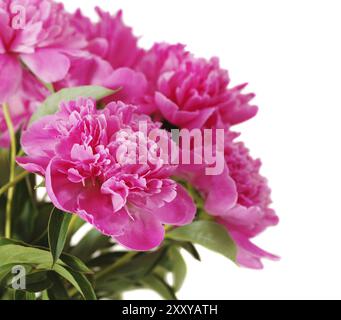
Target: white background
column 290, row 53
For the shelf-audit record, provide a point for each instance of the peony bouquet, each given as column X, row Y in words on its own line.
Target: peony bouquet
column 114, row 159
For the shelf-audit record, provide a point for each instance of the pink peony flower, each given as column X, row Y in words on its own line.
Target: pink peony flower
column 110, row 38
column 21, row 106
column 37, row 33
column 252, row 214
column 108, row 59
column 239, row 199
column 190, row 92
column 79, row 151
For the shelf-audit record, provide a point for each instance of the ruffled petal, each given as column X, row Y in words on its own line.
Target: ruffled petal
column 40, row 138
column 180, row 211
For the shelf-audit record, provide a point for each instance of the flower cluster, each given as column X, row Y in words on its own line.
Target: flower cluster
column 85, row 151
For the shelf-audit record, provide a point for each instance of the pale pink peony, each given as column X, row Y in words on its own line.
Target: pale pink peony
column 108, row 59
column 77, row 151
column 192, row 93
column 41, row 39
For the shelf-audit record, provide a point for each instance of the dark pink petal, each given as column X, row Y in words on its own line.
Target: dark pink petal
column 34, row 164
column 99, row 47
column 171, row 111
column 222, row 194
column 144, row 231
column 62, row 192
column 180, row 211
column 6, row 32
column 97, row 208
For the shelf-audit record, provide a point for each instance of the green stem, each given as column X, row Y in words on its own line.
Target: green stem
column 122, row 261
column 12, row 183
column 119, row 263
column 10, row 193
column 48, row 86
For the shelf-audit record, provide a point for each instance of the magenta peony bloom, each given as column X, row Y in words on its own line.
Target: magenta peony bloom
column 37, row 33
column 30, row 94
column 79, row 151
column 109, row 38
column 190, row 92
column 252, row 213
column 239, row 199
column 108, row 59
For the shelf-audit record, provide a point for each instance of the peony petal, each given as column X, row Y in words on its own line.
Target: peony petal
column 97, row 209
column 99, row 47
column 34, row 164
column 144, row 231
column 249, row 255
column 86, row 70
column 180, row 211
column 48, row 64
column 40, row 138
column 10, row 76
column 219, row 190
column 26, row 39
column 171, row 111
column 133, row 84
column 6, row 32
column 63, row 193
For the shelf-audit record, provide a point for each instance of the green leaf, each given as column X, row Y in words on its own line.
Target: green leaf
column 6, row 274
column 4, row 271
column 17, row 254
column 90, row 243
column 58, row 227
column 24, row 209
column 37, row 282
column 177, row 267
column 23, row 295
column 44, row 295
column 160, row 286
column 116, row 286
column 209, row 234
column 190, row 248
column 51, row 104
column 65, row 259
column 141, row 265
column 105, row 259
column 40, row 185
column 74, row 263
column 58, row 290
column 78, row 280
